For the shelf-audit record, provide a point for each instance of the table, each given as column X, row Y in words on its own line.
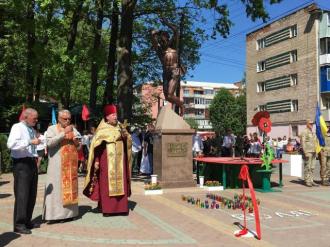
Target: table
column 229, row 161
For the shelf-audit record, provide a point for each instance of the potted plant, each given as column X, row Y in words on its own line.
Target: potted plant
column 211, row 185
column 152, row 189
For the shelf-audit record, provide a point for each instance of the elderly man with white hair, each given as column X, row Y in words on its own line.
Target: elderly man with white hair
column 22, row 142
column 61, row 191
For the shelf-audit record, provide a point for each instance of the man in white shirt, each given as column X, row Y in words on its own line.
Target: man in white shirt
column 228, row 144
column 197, row 148
column 22, row 142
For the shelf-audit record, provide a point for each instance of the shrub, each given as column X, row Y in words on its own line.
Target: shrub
column 6, row 162
column 43, row 166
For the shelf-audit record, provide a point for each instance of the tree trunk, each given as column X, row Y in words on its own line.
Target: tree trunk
column 96, row 48
column 108, row 97
column 68, row 67
column 29, row 78
column 125, row 74
column 41, row 64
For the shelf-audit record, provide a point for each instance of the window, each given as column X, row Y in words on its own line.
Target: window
column 282, row 106
column 281, row 59
column 294, row 105
column 328, row 74
column 261, row 66
column 208, row 91
column 277, row 83
column 328, row 18
column 260, row 44
column 261, row 107
column 208, row 101
column 261, row 87
column 281, row 35
column 199, row 112
column 199, row 101
column 186, row 101
column 198, row 92
column 294, row 130
column 325, row 46
column 293, row 31
column 293, row 56
column 186, row 91
column 294, row 80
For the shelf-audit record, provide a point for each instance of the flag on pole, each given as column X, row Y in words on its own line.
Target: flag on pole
column 21, row 116
column 321, row 129
column 85, row 113
column 53, row 116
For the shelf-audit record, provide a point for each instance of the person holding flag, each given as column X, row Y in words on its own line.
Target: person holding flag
column 308, row 144
column 322, row 147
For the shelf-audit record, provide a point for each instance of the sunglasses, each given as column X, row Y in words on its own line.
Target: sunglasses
column 66, row 119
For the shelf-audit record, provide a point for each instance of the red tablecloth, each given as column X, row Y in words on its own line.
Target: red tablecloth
column 235, row 161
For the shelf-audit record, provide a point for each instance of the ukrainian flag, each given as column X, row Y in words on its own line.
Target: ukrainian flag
column 321, row 129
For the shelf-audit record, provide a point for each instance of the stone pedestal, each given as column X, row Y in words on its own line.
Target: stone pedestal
column 172, row 153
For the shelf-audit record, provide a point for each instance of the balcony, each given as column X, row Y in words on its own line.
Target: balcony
column 324, row 80
column 324, row 59
column 326, row 114
column 200, row 106
column 193, row 116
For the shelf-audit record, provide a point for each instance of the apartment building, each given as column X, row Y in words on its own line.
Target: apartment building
column 197, row 97
column 287, row 70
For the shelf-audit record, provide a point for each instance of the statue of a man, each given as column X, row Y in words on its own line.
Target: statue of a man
column 166, row 49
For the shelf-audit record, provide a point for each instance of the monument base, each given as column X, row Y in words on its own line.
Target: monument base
column 172, row 153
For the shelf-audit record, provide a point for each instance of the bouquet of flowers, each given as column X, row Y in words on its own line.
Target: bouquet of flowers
column 211, row 183
column 150, row 186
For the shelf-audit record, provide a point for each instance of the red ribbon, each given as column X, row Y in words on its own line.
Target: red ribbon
column 245, row 176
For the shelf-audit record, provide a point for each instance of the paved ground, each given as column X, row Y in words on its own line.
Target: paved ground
column 297, row 216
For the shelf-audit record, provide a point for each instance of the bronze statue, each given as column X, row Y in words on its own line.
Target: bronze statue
column 166, row 49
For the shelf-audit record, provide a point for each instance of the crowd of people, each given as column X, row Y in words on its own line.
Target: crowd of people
column 250, row 145
column 105, row 154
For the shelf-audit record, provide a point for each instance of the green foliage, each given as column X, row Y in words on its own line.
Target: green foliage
column 51, row 26
column 192, row 122
column 6, row 162
column 226, row 112
column 267, row 157
column 43, row 166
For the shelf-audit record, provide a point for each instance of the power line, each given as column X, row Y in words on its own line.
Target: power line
column 258, row 25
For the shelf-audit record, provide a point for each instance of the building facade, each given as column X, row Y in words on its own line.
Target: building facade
column 197, row 97
column 286, row 72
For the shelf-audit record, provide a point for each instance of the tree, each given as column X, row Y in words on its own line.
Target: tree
column 226, row 112
column 108, row 96
column 96, row 53
column 192, row 123
column 125, row 72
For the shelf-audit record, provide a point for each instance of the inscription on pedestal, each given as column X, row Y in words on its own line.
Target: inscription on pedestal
column 177, row 149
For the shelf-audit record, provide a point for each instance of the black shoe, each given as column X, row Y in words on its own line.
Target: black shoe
column 308, row 185
column 315, row 184
column 22, row 230
column 32, row 225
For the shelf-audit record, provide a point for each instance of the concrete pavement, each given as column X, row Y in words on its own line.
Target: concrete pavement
column 297, row 216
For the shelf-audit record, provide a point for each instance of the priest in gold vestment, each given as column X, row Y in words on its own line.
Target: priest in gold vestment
column 109, row 165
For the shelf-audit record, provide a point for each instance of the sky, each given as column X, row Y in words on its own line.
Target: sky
column 223, row 60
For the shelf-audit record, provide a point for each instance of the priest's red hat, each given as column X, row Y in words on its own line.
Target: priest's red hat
column 109, row 109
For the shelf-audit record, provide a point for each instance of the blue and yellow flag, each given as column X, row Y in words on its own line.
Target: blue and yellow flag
column 321, row 129
column 53, row 116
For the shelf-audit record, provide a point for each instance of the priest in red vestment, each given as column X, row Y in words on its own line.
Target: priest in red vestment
column 109, row 161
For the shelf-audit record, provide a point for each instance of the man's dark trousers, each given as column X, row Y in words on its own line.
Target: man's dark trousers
column 25, row 190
